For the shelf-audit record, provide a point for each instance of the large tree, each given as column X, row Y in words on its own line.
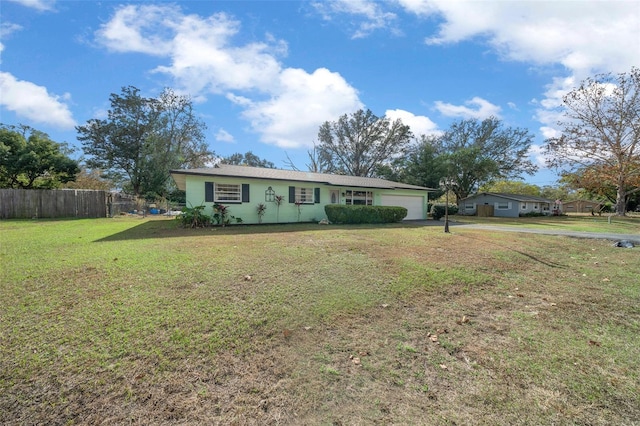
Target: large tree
column 357, row 144
column 143, row 138
column 420, row 166
column 599, row 181
column 478, row 152
column 30, row 159
column 247, row 159
column 601, row 130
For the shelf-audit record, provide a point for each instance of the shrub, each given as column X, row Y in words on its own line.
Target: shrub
column 338, row 213
column 532, row 214
column 193, row 217
column 438, row 210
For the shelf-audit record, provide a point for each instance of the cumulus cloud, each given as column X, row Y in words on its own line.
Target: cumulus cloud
column 285, row 106
column 585, row 38
column 474, row 108
column 224, row 136
column 537, row 154
column 33, row 102
column 291, row 118
column 371, row 14
column 40, row 5
column 420, row 125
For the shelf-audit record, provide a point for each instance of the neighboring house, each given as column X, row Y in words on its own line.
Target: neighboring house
column 581, row 206
column 243, row 188
column 505, row 205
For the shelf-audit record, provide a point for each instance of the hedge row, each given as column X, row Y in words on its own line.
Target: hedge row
column 338, row 213
column 438, row 210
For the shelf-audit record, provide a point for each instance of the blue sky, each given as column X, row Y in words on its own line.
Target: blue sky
column 264, row 75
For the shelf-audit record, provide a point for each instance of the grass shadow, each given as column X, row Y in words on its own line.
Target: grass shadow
column 548, row 263
column 167, row 228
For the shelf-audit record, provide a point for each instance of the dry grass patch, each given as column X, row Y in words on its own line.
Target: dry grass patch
column 139, row 322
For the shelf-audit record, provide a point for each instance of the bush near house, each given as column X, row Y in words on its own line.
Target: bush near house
column 338, row 213
column 438, row 210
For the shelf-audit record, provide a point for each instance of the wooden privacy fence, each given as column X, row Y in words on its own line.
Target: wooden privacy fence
column 50, row 203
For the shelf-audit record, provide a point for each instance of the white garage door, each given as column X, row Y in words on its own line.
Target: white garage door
column 415, row 209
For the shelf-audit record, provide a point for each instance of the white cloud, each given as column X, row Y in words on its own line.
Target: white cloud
column 475, row 108
column 285, row 106
column 372, row 16
column 224, row 136
column 33, row 102
column 586, row 37
column 291, row 118
column 420, row 125
column 41, row 5
column 143, row 29
column 6, row 29
column 537, row 154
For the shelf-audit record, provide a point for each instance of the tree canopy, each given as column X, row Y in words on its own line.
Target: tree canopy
column 248, row 159
column 420, row 166
column 512, row 187
column 30, row 159
column 143, row 138
column 600, row 131
column 357, row 144
column 477, row 152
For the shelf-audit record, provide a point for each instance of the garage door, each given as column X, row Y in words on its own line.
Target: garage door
column 415, row 209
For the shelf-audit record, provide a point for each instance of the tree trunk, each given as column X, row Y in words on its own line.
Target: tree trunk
column 621, row 205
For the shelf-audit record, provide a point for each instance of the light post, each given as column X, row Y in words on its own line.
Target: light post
column 446, row 207
column 446, row 183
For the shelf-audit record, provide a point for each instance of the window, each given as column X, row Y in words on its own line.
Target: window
column 228, row 192
column 502, row 205
column 469, row 206
column 523, row 206
column 299, row 194
column 304, row 195
column 359, row 197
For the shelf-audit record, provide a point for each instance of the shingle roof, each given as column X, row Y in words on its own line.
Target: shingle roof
column 516, row 197
column 228, row 170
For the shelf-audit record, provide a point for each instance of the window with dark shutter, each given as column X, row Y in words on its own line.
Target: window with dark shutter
column 208, row 192
column 245, row 192
column 292, row 194
column 316, row 195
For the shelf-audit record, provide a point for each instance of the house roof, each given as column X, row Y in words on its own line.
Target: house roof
column 515, row 197
column 228, row 170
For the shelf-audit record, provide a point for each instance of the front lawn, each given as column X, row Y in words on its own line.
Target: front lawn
column 137, row 321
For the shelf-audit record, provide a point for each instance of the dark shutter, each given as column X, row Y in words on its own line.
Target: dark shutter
column 208, row 192
column 245, row 192
column 292, row 194
column 316, row 195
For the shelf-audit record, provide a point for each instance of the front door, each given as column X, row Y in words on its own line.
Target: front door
column 334, row 195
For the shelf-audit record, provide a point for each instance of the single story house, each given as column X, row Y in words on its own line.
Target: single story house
column 581, row 206
column 505, row 205
column 304, row 194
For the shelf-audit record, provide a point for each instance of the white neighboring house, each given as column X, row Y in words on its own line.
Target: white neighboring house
column 506, row 205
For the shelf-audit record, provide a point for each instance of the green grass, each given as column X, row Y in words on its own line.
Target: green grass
column 136, row 320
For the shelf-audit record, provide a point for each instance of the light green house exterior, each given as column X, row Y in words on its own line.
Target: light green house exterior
column 243, row 188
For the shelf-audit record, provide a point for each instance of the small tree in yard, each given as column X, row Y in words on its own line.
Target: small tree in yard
column 601, row 131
